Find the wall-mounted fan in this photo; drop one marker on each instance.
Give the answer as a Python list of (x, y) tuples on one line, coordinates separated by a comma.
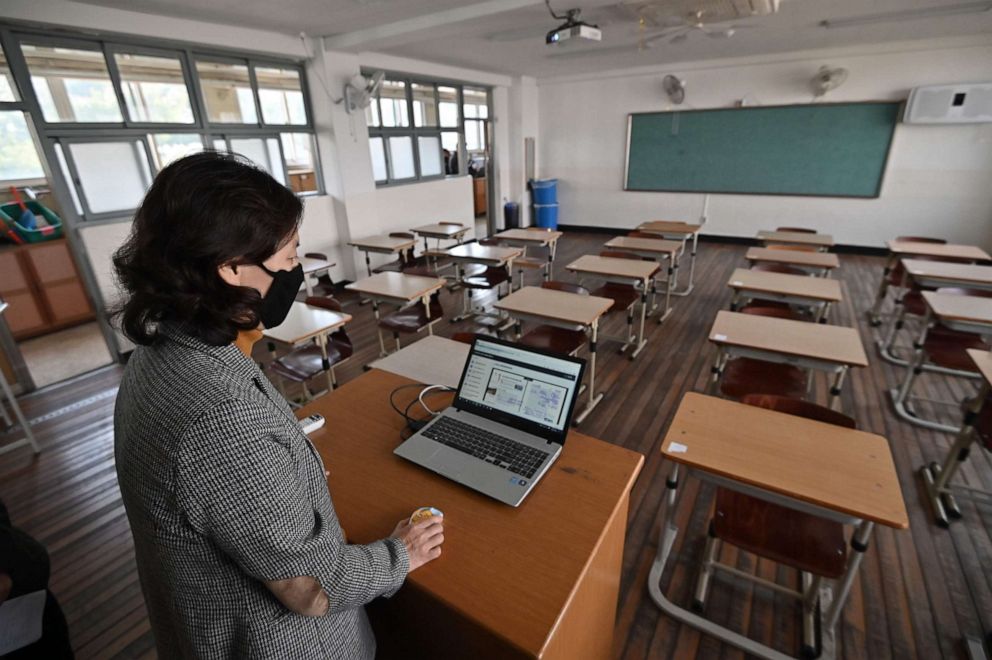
[(826, 79), (675, 88), (359, 91)]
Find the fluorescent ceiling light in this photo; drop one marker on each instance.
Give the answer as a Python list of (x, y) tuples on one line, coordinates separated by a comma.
[(910, 14)]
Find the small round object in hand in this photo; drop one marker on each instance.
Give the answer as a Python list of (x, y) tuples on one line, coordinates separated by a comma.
[(425, 512)]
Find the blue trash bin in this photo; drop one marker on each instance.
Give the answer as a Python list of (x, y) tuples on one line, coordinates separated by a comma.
[(546, 215), (544, 191)]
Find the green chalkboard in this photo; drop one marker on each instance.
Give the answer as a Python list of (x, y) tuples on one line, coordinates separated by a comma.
[(828, 149)]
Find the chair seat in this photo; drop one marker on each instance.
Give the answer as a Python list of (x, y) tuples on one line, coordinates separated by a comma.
[(803, 541), (413, 318), (398, 265), (913, 303), (551, 338), (743, 376), (948, 348), (487, 279), (622, 295), (305, 363), (531, 263), (772, 309)]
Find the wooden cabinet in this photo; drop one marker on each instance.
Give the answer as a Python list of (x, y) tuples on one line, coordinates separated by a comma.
[(42, 286), (302, 181), (479, 194)]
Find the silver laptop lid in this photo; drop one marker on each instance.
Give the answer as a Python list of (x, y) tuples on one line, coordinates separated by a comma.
[(526, 388)]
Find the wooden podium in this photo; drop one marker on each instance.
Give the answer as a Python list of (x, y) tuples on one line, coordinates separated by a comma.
[(537, 581)]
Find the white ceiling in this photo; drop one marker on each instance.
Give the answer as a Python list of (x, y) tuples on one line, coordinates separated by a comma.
[(512, 41)]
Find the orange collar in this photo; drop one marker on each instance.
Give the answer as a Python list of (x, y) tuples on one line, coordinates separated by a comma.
[(246, 340)]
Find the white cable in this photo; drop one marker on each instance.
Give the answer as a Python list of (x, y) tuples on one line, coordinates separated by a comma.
[(420, 397)]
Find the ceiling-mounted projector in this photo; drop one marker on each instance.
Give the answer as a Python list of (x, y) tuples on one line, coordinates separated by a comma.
[(572, 28)]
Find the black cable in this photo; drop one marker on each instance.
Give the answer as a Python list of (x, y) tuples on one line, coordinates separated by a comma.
[(412, 424)]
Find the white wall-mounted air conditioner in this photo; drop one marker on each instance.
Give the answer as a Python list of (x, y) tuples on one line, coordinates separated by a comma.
[(966, 103)]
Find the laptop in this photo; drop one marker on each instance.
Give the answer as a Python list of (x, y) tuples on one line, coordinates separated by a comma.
[(507, 424)]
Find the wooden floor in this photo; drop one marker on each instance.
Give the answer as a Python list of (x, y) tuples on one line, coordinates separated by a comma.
[(919, 591)]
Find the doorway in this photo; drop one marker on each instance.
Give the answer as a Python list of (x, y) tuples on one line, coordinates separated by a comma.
[(479, 152)]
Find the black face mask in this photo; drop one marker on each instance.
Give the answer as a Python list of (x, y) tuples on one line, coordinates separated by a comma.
[(279, 300)]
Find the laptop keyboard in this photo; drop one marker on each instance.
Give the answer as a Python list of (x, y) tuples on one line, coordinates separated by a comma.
[(492, 448)]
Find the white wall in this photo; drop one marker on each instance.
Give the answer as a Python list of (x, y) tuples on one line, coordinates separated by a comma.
[(938, 180)]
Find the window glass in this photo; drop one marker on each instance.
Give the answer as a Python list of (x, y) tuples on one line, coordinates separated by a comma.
[(8, 90), (448, 97), (475, 135), (220, 144), (372, 113), (167, 147), (377, 150), (392, 99), (424, 106), (154, 89), (60, 155), (298, 150), (264, 152), (227, 93), (476, 103), (280, 95), (113, 175), (18, 155), (451, 143), (72, 84), (430, 156), (401, 157)]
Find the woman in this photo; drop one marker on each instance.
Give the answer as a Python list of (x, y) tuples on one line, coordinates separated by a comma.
[(239, 550)]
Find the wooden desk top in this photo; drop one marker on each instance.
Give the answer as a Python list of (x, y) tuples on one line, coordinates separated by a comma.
[(950, 250), (803, 286), (530, 235), (398, 286), (555, 305), (305, 322), (383, 242), (433, 360), (634, 269), (968, 309), (821, 240), (510, 570), (829, 466), (793, 258), (669, 227), (829, 343), (314, 265), (658, 245), (483, 253), (983, 360), (944, 270), (440, 231)]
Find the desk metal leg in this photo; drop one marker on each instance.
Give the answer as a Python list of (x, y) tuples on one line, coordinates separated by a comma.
[(378, 329), (325, 363), (716, 371), (883, 287), (669, 286), (692, 268), (28, 438), (835, 388), (594, 398), (859, 544), (426, 301), (821, 316), (641, 341), (901, 397)]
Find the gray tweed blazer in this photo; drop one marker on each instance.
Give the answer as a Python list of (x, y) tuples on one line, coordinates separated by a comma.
[(223, 490)]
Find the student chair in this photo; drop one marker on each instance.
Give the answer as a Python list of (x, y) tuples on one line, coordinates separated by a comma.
[(477, 277), (303, 364), (326, 287), (794, 248), (812, 545), (413, 318), (566, 341), (624, 297), (742, 376), (465, 337), (531, 262), (407, 258), (772, 309), (796, 230), (892, 277)]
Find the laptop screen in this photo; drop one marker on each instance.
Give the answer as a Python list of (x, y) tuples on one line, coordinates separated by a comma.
[(519, 386)]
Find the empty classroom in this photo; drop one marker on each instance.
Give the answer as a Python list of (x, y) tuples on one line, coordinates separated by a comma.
[(576, 329)]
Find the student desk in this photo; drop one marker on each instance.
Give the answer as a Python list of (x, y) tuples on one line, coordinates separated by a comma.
[(900, 249), (808, 345), (440, 232), (680, 231), (818, 292), (533, 238), (381, 245), (487, 255), (656, 249), (563, 309), (399, 289), (431, 360), (963, 313), (820, 241), (15, 408), (825, 470), (313, 267), (540, 580), (625, 271), (305, 323), (817, 263), (937, 274)]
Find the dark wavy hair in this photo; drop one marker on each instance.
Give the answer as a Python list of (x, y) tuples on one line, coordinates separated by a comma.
[(201, 212)]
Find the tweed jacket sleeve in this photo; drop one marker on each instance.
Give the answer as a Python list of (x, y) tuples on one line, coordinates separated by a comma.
[(255, 491)]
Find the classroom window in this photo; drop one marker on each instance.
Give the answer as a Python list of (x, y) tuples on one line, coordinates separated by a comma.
[(72, 84), (280, 96), (429, 149), (377, 149), (401, 158), (448, 104), (475, 135), (8, 90), (168, 147), (18, 154), (264, 152), (113, 175), (424, 105), (298, 151), (227, 93), (393, 104), (451, 144), (154, 89)]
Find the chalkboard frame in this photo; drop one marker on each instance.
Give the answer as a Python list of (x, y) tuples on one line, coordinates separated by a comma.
[(878, 188)]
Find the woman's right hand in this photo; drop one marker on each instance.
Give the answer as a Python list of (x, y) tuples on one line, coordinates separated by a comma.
[(422, 539)]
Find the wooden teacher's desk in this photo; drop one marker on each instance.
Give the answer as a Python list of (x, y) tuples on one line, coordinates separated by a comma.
[(540, 580)]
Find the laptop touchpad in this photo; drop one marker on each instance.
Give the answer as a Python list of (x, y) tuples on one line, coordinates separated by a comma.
[(450, 462)]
